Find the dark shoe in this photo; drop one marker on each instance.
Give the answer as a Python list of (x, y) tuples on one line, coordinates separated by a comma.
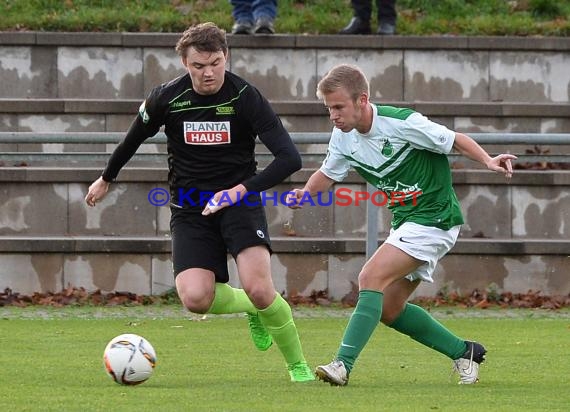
[(264, 25), (242, 27), (386, 29), (356, 26)]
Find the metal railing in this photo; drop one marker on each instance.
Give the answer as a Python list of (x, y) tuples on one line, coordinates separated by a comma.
[(298, 137), (534, 139), (25, 138)]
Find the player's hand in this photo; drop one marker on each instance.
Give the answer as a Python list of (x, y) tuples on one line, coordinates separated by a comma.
[(224, 198), (213, 205), (502, 164), (293, 198), (96, 192)]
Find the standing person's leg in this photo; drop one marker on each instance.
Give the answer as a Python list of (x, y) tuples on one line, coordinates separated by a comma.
[(417, 323), (428, 244), (360, 22), (199, 256), (387, 265), (244, 227), (386, 16), (243, 16), (273, 311), (264, 13), (362, 9)]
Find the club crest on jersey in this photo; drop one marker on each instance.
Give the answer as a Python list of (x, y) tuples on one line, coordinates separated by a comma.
[(207, 133), (387, 149)]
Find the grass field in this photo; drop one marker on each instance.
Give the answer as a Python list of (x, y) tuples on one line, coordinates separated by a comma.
[(417, 17), (51, 361)]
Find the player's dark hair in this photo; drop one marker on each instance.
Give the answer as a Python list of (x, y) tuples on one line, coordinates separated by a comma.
[(346, 76), (204, 37)]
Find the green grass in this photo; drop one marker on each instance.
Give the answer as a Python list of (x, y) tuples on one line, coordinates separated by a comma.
[(418, 17), (51, 361)]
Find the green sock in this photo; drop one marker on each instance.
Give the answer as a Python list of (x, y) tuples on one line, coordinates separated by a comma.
[(362, 323), (278, 320), (230, 300), (419, 325)]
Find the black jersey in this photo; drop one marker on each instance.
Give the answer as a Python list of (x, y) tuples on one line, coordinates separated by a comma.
[(210, 138)]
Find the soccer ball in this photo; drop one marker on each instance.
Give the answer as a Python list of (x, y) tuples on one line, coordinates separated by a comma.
[(129, 359)]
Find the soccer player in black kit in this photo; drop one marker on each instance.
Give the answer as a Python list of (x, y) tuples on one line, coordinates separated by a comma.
[(211, 118)]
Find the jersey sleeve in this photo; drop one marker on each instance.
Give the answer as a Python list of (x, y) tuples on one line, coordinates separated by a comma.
[(271, 132), (146, 124), (422, 133), (335, 165)]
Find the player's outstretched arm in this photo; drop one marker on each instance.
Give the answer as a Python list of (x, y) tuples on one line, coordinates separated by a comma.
[(471, 149), (136, 134)]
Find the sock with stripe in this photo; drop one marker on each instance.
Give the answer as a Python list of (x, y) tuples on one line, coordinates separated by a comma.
[(362, 323)]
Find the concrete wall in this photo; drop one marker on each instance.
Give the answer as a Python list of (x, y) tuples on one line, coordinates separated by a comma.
[(127, 66), (516, 234), (495, 84)]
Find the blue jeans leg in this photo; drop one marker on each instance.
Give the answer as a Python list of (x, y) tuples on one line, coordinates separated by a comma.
[(267, 8), (242, 11)]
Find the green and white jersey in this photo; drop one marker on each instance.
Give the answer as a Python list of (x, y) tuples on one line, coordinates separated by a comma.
[(405, 156)]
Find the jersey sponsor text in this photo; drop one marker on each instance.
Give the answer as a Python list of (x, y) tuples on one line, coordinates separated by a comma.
[(207, 133)]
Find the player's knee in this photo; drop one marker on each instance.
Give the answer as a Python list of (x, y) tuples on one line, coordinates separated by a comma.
[(391, 311), (195, 302), (368, 280), (388, 317), (260, 296)]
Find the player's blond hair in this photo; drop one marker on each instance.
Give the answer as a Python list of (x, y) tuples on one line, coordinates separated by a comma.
[(204, 37), (346, 76)]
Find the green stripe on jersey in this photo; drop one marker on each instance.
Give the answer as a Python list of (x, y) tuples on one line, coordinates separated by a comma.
[(394, 112), (394, 161), (427, 196)]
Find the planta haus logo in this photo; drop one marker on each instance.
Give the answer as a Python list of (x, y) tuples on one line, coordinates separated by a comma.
[(207, 133)]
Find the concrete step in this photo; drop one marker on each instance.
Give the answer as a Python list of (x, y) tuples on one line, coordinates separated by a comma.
[(531, 204), (50, 201), (115, 115), (484, 71), (287, 67), (299, 265), (280, 244)]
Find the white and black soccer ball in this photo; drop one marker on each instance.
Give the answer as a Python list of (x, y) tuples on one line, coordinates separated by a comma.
[(129, 359)]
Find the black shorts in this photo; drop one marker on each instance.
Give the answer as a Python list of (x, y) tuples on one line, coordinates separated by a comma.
[(205, 241)]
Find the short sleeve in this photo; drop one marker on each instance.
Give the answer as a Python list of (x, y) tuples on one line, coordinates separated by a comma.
[(335, 165), (425, 134)]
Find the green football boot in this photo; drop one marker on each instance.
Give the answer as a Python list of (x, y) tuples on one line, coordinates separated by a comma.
[(300, 372), (261, 338)]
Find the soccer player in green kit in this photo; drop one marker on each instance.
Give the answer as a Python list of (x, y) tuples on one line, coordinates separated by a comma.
[(396, 150)]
